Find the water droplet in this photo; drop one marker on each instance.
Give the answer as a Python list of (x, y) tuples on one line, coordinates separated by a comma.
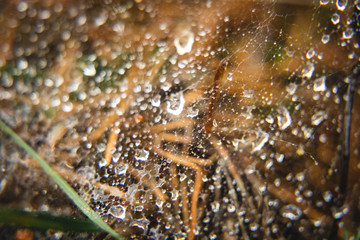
[(300, 176), (319, 84), (341, 4), (335, 18), (118, 212), (348, 33), (22, 64), (215, 206), (184, 42), (175, 104), (44, 14), (22, 6), (261, 142), (140, 223), (269, 164), (141, 154), (54, 102), (269, 119), (325, 38), (81, 20), (102, 163), (318, 117), (122, 169), (89, 70), (277, 182), (284, 118), (327, 195), (166, 86), (308, 70), (254, 226), (67, 107), (357, 4), (262, 188), (324, 2), (192, 112), (291, 212), (231, 208), (101, 19), (310, 54), (323, 138), (279, 157), (156, 100), (337, 213), (291, 88), (182, 64)]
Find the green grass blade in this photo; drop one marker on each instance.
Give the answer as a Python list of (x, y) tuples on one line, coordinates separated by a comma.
[(67, 189), (45, 221)]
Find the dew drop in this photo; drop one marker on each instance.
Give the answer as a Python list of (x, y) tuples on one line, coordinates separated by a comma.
[(67, 107), (308, 70), (310, 54), (291, 212), (175, 104), (22, 64), (44, 14), (254, 227), (215, 206), (348, 33), (101, 19), (231, 208), (118, 212), (269, 119), (327, 195), (341, 4), (300, 176), (89, 70), (192, 112), (337, 214), (319, 84), (261, 142), (122, 169), (335, 18), (322, 138), (141, 154), (279, 157), (357, 4), (291, 88), (102, 163), (155, 101), (140, 223), (184, 42), (325, 38), (22, 6), (284, 118), (318, 117), (81, 20), (324, 2), (269, 164)]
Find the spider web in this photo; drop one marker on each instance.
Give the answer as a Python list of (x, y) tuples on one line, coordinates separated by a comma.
[(123, 90)]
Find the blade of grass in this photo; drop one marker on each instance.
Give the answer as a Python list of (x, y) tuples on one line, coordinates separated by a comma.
[(65, 187), (45, 221)]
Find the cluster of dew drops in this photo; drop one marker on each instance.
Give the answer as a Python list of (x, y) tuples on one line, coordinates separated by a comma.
[(175, 102)]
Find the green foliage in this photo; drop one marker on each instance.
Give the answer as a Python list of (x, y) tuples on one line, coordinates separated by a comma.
[(45, 221)]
